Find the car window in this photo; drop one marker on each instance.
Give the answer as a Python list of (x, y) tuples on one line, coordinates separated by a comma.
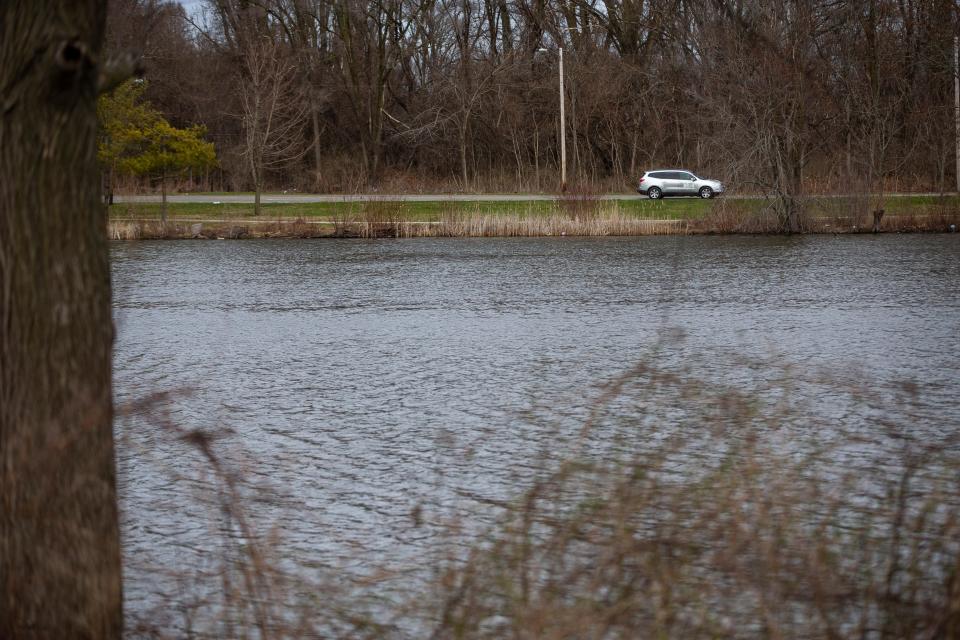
[(688, 176), (660, 174), (677, 175)]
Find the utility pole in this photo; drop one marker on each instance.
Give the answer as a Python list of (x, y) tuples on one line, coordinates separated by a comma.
[(563, 133), (563, 126), (956, 104)]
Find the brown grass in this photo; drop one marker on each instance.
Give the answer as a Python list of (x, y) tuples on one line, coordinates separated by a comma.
[(736, 216), (580, 202), (825, 215), (934, 221), (576, 214), (227, 230), (383, 221), (609, 223), (728, 524)]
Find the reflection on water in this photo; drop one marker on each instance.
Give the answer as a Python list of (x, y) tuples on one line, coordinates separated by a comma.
[(364, 385)]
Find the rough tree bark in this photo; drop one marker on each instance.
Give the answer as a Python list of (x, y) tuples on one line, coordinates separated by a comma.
[(59, 541)]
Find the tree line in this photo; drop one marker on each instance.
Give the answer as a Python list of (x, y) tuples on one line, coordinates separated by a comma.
[(792, 97)]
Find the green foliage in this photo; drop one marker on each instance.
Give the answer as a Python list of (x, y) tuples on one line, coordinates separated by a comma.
[(136, 139)]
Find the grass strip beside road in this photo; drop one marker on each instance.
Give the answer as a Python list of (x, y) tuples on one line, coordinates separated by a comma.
[(407, 211)]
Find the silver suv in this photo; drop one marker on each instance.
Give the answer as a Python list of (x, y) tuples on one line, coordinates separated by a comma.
[(677, 182)]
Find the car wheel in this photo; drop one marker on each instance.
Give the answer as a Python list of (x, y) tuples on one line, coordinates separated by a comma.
[(654, 193), (706, 193)]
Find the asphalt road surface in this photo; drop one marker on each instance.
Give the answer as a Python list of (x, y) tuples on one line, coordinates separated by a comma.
[(303, 198)]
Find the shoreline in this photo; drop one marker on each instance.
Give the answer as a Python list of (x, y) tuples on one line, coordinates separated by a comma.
[(576, 215), (492, 226)]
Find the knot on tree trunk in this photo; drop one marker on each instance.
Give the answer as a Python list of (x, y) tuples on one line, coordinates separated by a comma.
[(72, 56), (73, 61)]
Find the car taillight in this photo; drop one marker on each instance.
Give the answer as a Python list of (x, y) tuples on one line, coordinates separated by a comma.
[(641, 180)]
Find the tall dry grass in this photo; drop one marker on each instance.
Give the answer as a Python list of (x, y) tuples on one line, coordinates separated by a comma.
[(727, 216), (611, 223), (683, 508), (387, 220), (580, 202), (825, 215), (576, 214), (726, 523)]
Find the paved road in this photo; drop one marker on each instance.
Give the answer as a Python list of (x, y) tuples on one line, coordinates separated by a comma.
[(330, 223), (304, 198)]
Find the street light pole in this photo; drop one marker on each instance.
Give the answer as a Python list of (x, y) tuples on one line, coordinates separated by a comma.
[(563, 133), (563, 126)]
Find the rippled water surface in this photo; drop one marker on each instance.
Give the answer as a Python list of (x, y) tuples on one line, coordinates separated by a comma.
[(361, 382)]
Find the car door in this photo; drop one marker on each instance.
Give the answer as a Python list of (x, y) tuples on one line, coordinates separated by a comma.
[(688, 183), (673, 183)]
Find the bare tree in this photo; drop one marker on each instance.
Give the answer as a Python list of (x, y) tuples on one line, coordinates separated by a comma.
[(274, 110), (450, 90)]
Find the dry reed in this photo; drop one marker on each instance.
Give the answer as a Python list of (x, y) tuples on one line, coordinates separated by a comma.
[(825, 215), (551, 225), (737, 216), (688, 509), (732, 519), (385, 225), (576, 215)]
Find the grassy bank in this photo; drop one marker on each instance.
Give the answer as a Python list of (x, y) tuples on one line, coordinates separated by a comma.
[(582, 215), (461, 226), (433, 211)]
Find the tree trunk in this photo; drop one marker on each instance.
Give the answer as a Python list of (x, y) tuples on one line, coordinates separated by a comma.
[(464, 173), (59, 540), (315, 121), (163, 199)]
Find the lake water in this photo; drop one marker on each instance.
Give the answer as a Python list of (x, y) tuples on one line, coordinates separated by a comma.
[(361, 386)]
